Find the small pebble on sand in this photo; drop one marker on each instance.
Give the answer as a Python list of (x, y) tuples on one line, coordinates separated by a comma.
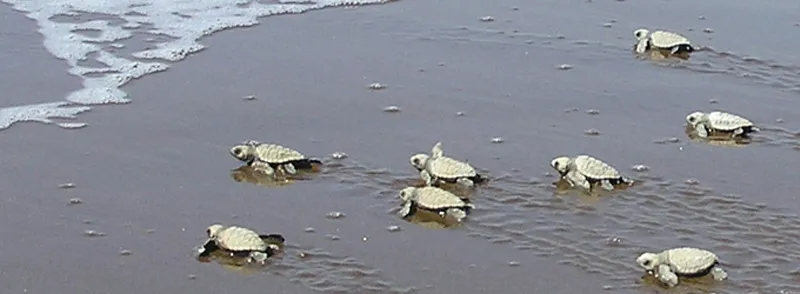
[(393, 228), (332, 237), (708, 30), (391, 109), (335, 215), (192, 277), (593, 112), (249, 98), (93, 233), (487, 18), (309, 230), (592, 132), (607, 25), (459, 113), (779, 120), (376, 86), (339, 155), (67, 185), (692, 181), (513, 263), (497, 140), (125, 252), (565, 66), (713, 101), (73, 201), (640, 168)]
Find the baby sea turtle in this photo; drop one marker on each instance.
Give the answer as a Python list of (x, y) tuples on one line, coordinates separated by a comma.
[(717, 121), (675, 43), (239, 241), (584, 170), (437, 167), (433, 199), (267, 158), (683, 261)]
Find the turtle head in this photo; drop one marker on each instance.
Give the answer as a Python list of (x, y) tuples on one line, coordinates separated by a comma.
[(694, 118), (212, 230), (418, 161), (244, 151), (560, 164), (648, 261), (407, 193), (641, 34)]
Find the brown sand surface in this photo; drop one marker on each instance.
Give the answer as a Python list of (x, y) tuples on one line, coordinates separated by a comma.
[(153, 174)]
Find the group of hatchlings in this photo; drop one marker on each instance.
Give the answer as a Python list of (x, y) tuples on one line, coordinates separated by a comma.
[(582, 171)]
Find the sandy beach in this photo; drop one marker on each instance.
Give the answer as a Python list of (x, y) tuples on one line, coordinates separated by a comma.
[(154, 173)]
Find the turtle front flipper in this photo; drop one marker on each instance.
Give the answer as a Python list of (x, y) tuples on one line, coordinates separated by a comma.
[(465, 182), (209, 247), (289, 168), (262, 167), (701, 130), (606, 184), (457, 213), (405, 210), (666, 276), (576, 179), (427, 177), (718, 273)]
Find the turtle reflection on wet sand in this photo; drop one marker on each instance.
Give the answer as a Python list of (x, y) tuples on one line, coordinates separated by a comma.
[(247, 174)]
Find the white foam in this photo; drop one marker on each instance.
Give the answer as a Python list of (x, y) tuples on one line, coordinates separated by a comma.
[(183, 20)]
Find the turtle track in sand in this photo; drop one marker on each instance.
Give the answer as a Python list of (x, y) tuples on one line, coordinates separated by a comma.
[(323, 271), (757, 244)]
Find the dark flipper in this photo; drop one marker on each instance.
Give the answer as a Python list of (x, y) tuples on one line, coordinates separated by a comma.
[(209, 247), (306, 163), (478, 179), (276, 239)]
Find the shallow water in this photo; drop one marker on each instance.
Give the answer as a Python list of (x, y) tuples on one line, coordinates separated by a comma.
[(161, 162)]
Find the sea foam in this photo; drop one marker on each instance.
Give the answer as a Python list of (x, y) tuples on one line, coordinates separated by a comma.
[(94, 31)]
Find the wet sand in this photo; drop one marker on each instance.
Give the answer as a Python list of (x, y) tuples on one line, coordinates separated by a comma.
[(161, 162)]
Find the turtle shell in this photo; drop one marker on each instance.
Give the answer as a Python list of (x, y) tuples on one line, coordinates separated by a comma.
[(594, 168), (277, 154), (240, 239), (662, 39), (726, 121), (449, 168), (434, 198), (690, 261)]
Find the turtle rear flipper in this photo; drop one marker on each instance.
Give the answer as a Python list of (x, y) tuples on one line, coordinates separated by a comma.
[(259, 256), (478, 179), (718, 273), (272, 238)]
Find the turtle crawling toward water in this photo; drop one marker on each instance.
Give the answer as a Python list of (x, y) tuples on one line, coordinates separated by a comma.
[(584, 170), (242, 242), (437, 167), (720, 122), (669, 264), (268, 158), (672, 43), (435, 200)]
